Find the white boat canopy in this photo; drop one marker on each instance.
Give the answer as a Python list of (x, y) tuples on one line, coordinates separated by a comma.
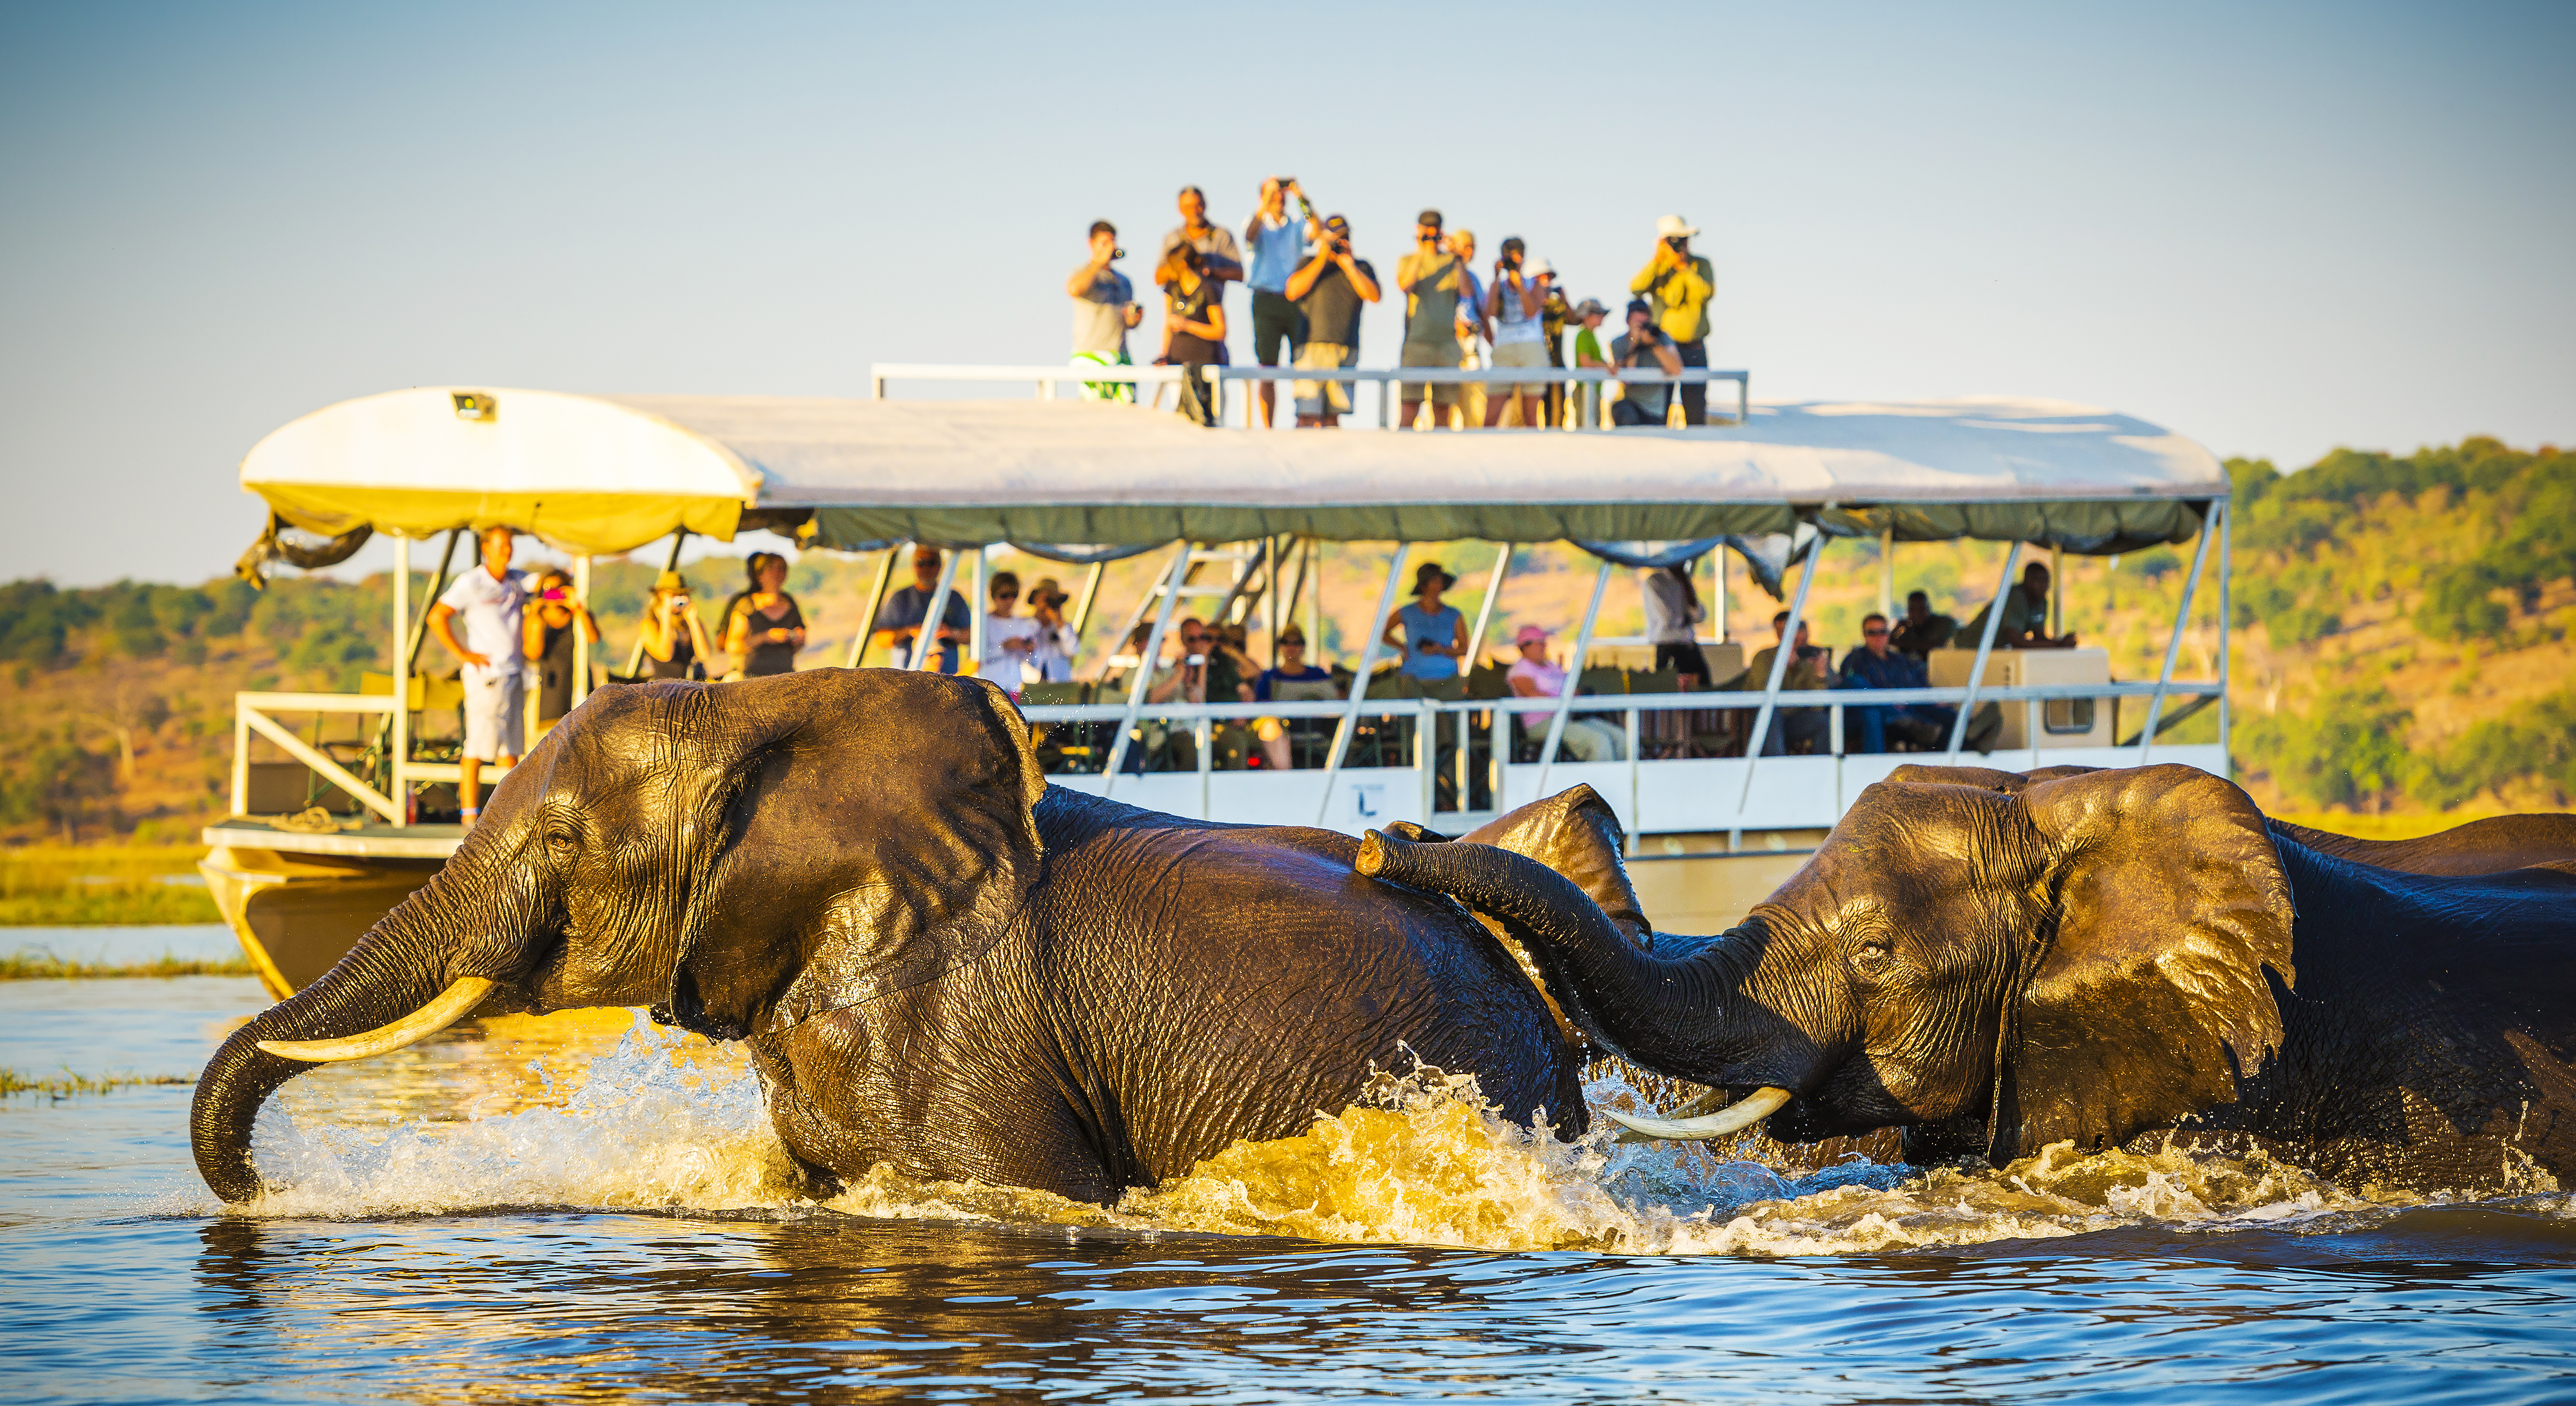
[(610, 473)]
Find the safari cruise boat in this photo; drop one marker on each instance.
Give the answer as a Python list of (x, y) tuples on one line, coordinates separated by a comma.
[(1237, 515)]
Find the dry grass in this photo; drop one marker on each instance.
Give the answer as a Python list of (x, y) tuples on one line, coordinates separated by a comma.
[(102, 886), (67, 1084), (44, 966)]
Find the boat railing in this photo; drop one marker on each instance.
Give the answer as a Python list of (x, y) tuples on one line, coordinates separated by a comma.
[(251, 715), (1387, 378)]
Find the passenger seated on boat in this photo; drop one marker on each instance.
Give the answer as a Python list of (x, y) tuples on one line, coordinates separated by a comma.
[(1916, 726), (2025, 622), (1010, 641), (549, 642), (1290, 679), (675, 641), (1921, 631), (899, 620), (1800, 730), (1164, 744), (1588, 737), (764, 628)]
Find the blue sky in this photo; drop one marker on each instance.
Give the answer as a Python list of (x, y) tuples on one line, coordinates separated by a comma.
[(2277, 229)]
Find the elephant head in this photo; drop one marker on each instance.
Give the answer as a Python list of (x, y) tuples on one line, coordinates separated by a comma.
[(728, 854), (2078, 959)]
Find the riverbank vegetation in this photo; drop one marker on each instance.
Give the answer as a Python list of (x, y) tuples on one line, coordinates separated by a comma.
[(2400, 630), (69, 1085), (102, 885)]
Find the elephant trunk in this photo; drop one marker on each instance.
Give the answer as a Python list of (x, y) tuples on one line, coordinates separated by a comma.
[(393, 978), (1690, 1016)]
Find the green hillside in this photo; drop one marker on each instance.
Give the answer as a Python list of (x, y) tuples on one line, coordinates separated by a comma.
[(2401, 641)]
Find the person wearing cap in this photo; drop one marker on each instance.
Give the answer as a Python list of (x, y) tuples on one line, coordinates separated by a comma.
[(1588, 738), (1677, 285), (1435, 634), (1056, 642), (1430, 278), (1588, 316), (1644, 346), (1330, 288), (675, 640), (1278, 246), (1514, 303)]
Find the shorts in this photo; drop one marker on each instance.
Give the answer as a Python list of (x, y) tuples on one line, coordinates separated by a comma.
[(1318, 356), (1441, 354), (1106, 390), (1275, 320), (496, 713), (1518, 355)]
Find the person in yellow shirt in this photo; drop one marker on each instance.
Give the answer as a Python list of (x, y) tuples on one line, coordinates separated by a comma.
[(1678, 285)]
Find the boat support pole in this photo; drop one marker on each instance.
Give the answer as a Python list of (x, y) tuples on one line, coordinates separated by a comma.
[(1985, 651), (2226, 520), (934, 613), (2173, 646), (1573, 680), (983, 592), (876, 603), (1082, 607), (635, 660), (1360, 680), (1475, 650), (1781, 654), (1143, 678), (396, 737)]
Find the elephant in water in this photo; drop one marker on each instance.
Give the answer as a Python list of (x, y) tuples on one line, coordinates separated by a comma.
[(937, 959), (2086, 959), (2491, 846)]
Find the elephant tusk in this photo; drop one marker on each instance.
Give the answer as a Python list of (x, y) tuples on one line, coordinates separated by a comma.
[(1752, 1109), (450, 1007)]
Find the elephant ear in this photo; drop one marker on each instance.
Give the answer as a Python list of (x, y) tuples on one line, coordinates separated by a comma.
[(2165, 902), (882, 832), (1575, 833)]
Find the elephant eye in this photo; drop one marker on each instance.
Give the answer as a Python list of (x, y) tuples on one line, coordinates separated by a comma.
[(1873, 956), (561, 843)]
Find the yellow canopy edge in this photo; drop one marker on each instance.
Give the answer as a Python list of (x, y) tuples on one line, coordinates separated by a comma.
[(597, 524)]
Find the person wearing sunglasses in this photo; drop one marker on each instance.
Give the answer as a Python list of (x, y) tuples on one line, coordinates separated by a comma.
[(1010, 640), (1878, 665)]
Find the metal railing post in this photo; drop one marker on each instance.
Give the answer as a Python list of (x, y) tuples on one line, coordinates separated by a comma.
[(2226, 522), (398, 732), (1360, 679), (1985, 650), (876, 603), (1485, 612), (1780, 657), (2173, 646), (1146, 656), (934, 612), (1573, 680)]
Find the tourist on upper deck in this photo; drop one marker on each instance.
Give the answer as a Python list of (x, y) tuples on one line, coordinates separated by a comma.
[(1435, 634), (1278, 242), (1877, 665), (1515, 303), (1553, 314), (1290, 679), (1104, 308), (898, 622), (766, 627), (1588, 737), (675, 642), (1643, 346), (1673, 613), (1010, 641), (1193, 328), (1473, 332), (1430, 278), (1792, 729), (1056, 644), (493, 656), (2025, 622), (1680, 284), (1329, 289), (1921, 631), (1588, 316), (548, 640), (1215, 242)]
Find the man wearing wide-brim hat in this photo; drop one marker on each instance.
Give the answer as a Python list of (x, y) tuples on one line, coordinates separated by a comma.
[(1677, 285), (1435, 633)]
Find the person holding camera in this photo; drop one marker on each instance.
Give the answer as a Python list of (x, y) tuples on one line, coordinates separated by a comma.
[(1330, 289), (1645, 346), (1431, 278), (549, 644), (675, 640), (1278, 247), (1516, 303), (1193, 327), (1104, 308), (1678, 285)]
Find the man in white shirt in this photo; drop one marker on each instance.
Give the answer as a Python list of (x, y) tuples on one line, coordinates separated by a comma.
[(492, 598)]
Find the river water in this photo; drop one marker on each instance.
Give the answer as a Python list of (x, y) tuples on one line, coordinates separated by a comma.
[(595, 1209)]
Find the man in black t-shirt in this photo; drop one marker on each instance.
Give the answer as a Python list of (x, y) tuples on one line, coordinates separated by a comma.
[(1330, 288)]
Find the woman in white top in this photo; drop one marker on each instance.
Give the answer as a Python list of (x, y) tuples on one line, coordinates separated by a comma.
[(1010, 641), (1516, 303)]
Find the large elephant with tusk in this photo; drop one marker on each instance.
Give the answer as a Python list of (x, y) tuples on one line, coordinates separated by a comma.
[(2087, 958), (936, 959)]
